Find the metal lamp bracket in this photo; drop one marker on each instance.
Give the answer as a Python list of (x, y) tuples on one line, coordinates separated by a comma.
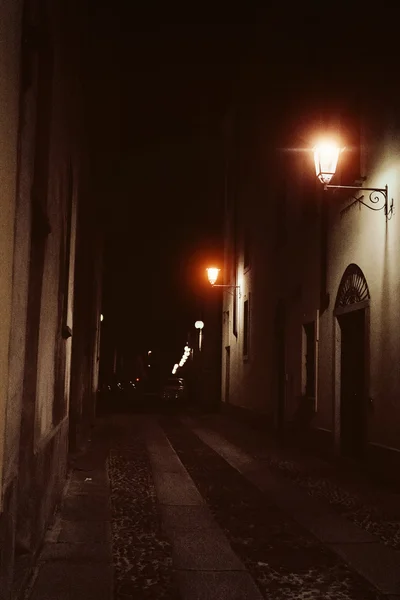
[(377, 199), (237, 287)]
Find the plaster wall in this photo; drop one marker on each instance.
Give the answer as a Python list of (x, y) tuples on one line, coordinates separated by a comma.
[(367, 239), (10, 15)]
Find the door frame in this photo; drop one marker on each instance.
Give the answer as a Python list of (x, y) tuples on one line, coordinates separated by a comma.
[(227, 374), (337, 350)]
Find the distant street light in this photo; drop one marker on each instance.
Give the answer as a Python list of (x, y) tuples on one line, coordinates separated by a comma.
[(101, 317), (199, 325)]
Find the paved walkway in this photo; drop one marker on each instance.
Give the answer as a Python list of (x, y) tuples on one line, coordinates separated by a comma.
[(76, 560), (206, 566), (376, 562)]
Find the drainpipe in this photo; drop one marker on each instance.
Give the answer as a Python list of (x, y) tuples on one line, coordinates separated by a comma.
[(324, 296)]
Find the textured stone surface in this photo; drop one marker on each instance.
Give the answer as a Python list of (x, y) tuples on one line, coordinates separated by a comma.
[(141, 551), (76, 552), (84, 531), (235, 526), (76, 560), (66, 581), (86, 508), (285, 560), (203, 585), (375, 562), (203, 550), (368, 503), (186, 517), (176, 489)]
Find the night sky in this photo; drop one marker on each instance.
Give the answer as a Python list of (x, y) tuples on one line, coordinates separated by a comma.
[(164, 88), (171, 85)]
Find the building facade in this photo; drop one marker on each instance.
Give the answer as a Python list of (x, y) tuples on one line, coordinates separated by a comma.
[(45, 194), (311, 335)]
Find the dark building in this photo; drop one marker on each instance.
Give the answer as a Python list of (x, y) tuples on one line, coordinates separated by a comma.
[(50, 276)]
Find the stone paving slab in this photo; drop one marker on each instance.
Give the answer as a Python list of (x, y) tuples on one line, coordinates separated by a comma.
[(85, 488), (164, 462), (84, 531), (203, 550), (187, 517), (176, 489), (76, 560), (86, 508), (376, 562), (206, 566), (243, 461), (76, 552), (330, 529), (208, 585), (65, 581)]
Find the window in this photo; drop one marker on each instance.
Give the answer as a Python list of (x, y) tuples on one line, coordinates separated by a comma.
[(235, 266), (234, 311), (246, 331), (69, 257), (309, 359)]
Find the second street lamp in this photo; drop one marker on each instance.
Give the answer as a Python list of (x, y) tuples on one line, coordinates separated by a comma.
[(212, 274)]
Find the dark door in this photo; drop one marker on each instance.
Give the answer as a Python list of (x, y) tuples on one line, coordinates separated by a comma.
[(227, 372), (352, 386), (280, 364)]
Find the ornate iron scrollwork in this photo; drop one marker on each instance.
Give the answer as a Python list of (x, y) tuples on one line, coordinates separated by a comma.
[(377, 199), (353, 287)]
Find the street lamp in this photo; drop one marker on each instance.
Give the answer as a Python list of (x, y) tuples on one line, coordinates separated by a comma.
[(326, 157), (199, 325), (212, 274)]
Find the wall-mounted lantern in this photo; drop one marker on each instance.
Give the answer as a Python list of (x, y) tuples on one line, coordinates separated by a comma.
[(326, 157), (212, 274)]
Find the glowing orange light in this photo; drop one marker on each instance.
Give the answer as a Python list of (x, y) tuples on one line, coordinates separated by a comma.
[(212, 274), (326, 156)]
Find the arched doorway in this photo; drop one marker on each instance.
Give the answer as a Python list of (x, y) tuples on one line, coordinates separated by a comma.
[(352, 314)]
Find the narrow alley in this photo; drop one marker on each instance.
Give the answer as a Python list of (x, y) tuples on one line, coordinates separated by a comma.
[(203, 507), (199, 292)]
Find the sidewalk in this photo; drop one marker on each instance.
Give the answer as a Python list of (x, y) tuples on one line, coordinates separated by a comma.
[(374, 560), (76, 559), (204, 563)]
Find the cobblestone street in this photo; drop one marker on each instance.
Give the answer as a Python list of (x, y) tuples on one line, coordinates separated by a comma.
[(186, 523)]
